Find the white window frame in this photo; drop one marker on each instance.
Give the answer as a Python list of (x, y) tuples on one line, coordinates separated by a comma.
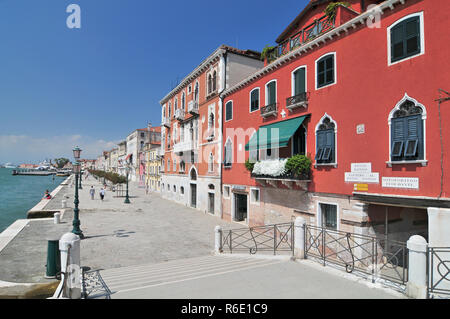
[(293, 79), (266, 98), (335, 141), (335, 70), (422, 37), (320, 216), (250, 100), (232, 109), (424, 118), (252, 199)]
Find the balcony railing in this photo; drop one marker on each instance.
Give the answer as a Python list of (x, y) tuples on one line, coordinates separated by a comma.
[(305, 35), (166, 122), (183, 146), (193, 107), (179, 114), (268, 110), (299, 100)]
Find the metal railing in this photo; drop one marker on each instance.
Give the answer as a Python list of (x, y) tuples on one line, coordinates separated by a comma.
[(270, 109), (317, 28), (379, 258), (438, 271), (297, 100), (193, 107), (268, 238)]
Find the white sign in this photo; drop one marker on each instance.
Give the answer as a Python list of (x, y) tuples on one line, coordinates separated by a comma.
[(400, 182), (362, 177), (361, 167), (360, 129)]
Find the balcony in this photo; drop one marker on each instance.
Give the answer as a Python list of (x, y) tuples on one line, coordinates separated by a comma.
[(180, 114), (166, 122), (269, 110), (183, 147), (288, 180), (193, 107), (296, 101), (315, 29)]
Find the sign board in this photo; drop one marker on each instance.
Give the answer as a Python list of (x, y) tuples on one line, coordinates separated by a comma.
[(361, 187), (362, 177), (360, 129), (400, 182), (361, 167)]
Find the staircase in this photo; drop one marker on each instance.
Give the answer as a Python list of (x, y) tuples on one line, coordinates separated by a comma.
[(115, 283)]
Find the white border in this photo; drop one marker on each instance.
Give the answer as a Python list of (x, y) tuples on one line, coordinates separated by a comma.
[(422, 37), (335, 70), (250, 99), (293, 79), (266, 93), (252, 202), (319, 214), (424, 117)]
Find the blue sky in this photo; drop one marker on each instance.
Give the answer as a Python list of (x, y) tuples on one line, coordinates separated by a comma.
[(91, 87)]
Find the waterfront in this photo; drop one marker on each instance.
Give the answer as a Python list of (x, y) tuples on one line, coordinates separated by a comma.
[(18, 194)]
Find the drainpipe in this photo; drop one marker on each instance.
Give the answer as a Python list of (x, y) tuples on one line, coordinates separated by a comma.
[(224, 82)]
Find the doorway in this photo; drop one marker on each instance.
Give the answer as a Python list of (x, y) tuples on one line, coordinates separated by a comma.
[(211, 203), (194, 195), (240, 201)]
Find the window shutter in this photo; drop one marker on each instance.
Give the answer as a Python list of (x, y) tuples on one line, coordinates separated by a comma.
[(229, 110), (320, 144), (272, 93), (299, 77)]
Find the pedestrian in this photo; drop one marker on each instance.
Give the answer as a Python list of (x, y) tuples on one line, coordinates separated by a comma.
[(92, 192), (102, 194)]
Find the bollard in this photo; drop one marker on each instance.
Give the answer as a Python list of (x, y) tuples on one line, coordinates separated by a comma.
[(218, 239), (299, 238), (416, 287), (56, 218), (69, 245), (63, 203), (53, 259)]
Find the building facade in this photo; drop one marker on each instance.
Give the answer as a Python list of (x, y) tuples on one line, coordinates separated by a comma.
[(192, 121), (356, 94)]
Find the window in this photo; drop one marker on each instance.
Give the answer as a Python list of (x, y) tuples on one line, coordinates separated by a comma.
[(142, 134), (226, 191), (182, 190), (229, 111), (254, 100), (214, 81), (328, 216), (405, 38), (407, 137), (183, 101), (196, 92), (168, 165), (170, 109), (271, 93), (253, 152), (174, 165), (254, 196), (325, 142), (209, 83), (325, 69), (299, 81), (228, 153), (174, 189), (168, 187), (211, 163), (190, 89)]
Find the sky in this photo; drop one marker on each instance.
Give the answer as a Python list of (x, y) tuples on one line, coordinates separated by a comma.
[(92, 86)]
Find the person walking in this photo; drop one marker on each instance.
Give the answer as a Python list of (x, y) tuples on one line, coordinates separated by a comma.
[(92, 192), (102, 194)]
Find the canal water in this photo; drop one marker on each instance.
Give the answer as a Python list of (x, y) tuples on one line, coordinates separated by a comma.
[(18, 194)]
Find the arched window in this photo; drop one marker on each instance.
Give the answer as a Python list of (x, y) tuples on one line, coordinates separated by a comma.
[(168, 165), (183, 101), (326, 141), (209, 84), (406, 37), (228, 153), (196, 92), (174, 165), (170, 109), (175, 107), (254, 100), (211, 163), (193, 174), (214, 81), (407, 131), (229, 111)]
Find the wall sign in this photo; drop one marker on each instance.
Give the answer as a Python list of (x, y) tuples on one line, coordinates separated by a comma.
[(361, 167), (400, 182), (360, 129), (362, 173)]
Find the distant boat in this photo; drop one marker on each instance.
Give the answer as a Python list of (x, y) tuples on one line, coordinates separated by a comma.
[(9, 165)]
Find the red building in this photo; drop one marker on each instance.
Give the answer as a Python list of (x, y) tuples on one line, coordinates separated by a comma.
[(356, 93)]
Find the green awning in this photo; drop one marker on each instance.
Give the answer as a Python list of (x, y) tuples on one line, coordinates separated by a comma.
[(275, 135)]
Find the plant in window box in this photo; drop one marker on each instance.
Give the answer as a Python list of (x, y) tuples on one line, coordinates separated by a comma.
[(266, 52), (270, 168), (249, 165), (299, 166)]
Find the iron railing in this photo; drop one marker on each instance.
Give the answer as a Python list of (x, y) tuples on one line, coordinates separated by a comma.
[(270, 109), (268, 238), (438, 271), (312, 31), (297, 100), (385, 259)]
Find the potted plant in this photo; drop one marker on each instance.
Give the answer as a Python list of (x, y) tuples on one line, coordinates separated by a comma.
[(299, 166)]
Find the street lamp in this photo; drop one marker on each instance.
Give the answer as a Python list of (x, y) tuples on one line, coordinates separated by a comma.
[(76, 221), (127, 198), (77, 155)]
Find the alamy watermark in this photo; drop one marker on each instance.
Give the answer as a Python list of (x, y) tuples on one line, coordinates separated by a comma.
[(73, 21)]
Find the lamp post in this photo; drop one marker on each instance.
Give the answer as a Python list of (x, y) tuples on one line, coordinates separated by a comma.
[(77, 170), (127, 198), (77, 155)]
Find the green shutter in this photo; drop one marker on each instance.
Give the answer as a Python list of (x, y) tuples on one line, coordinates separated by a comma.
[(300, 81), (272, 93)]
